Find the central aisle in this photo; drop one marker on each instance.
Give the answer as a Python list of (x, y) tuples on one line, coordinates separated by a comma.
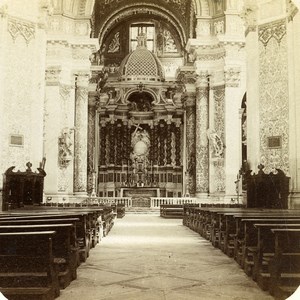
[(145, 257)]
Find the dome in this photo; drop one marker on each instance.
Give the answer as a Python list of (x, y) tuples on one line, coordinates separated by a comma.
[(141, 65)]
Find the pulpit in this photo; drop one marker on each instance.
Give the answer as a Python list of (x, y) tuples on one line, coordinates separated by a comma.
[(22, 188)]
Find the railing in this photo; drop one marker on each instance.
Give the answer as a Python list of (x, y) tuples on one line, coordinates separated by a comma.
[(157, 201), (126, 201)]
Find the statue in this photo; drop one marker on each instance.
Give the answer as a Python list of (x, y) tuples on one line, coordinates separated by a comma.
[(216, 142), (65, 148)]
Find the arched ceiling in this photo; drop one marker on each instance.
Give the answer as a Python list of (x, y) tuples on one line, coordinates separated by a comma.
[(75, 8), (176, 12)]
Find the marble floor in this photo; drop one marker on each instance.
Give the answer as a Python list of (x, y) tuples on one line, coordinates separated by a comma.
[(145, 257)]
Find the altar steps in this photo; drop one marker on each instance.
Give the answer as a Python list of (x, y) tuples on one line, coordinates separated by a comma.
[(142, 210)]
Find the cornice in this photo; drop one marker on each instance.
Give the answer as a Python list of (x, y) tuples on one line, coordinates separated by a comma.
[(276, 30), (17, 27)]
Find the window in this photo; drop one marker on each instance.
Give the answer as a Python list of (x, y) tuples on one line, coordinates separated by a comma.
[(142, 28)]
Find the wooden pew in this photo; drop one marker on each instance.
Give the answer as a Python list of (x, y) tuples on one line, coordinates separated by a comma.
[(173, 211), (232, 219), (284, 267), (64, 247), (247, 239), (83, 227), (27, 271)]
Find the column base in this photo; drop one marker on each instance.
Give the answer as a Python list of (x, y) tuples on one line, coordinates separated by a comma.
[(294, 200)]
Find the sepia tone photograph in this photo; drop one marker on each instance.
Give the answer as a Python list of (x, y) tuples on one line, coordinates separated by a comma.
[(150, 149)]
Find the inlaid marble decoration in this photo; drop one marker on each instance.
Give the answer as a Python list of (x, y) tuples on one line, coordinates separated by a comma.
[(81, 119), (219, 123), (190, 148), (202, 160), (64, 171), (274, 95), (91, 146)]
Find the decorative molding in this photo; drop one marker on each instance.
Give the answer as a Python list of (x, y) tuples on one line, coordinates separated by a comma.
[(65, 143), (114, 45), (187, 76), (202, 80), (291, 10), (63, 182), (219, 27), (203, 27), (82, 79), (82, 8), (232, 77), (249, 16), (18, 27), (276, 30), (274, 98), (52, 75)]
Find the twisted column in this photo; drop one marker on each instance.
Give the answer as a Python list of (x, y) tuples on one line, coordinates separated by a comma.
[(103, 144), (169, 144), (112, 143), (162, 144), (177, 144), (81, 133)]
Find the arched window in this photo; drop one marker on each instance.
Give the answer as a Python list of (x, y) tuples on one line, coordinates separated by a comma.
[(137, 29)]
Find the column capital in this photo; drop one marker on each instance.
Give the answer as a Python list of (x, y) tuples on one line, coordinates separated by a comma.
[(52, 75), (82, 78), (202, 79), (232, 76)]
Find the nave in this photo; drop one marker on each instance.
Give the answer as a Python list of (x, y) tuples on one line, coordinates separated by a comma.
[(146, 257)]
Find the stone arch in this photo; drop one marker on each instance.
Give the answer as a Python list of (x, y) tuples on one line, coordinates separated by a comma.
[(83, 7), (74, 7), (202, 8), (146, 90), (130, 9)]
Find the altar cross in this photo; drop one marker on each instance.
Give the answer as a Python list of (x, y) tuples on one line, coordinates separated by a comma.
[(137, 127)]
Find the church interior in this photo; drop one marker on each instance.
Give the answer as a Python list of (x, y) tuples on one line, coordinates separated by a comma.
[(149, 114)]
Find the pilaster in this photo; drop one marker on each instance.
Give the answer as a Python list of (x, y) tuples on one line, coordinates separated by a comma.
[(81, 133), (202, 119)]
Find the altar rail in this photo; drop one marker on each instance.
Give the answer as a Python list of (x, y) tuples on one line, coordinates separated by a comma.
[(155, 202), (124, 201)]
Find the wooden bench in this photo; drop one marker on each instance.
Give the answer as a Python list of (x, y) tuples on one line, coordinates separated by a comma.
[(84, 229), (173, 211), (27, 271), (284, 267), (65, 251), (247, 239)]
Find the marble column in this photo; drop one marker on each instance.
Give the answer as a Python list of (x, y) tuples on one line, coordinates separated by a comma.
[(91, 147), (202, 161), (81, 133), (190, 157)]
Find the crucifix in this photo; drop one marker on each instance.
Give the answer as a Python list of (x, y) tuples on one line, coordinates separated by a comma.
[(137, 127)]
